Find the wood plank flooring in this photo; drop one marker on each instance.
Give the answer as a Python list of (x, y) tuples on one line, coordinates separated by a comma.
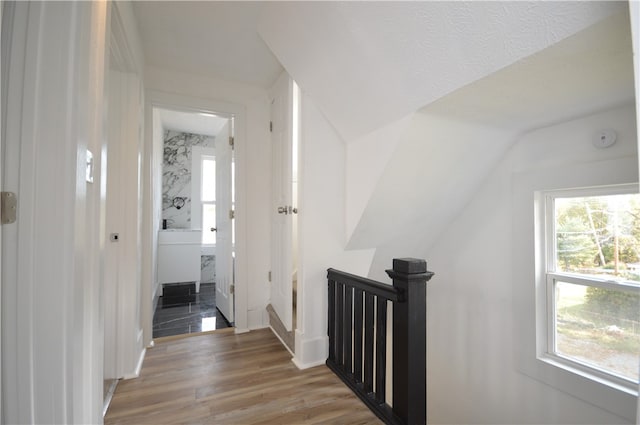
[(224, 378)]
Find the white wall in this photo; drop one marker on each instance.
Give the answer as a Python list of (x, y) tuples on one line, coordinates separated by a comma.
[(437, 165), (366, 160), (153, 148), (127, 262), (322, 224), (52, 311), (473, 372), (253, 189), (123, 299)]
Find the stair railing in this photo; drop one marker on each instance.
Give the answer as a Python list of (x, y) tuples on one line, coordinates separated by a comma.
[(358, 338)]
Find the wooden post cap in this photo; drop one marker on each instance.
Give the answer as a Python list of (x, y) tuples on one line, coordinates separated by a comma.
[(409, 265)]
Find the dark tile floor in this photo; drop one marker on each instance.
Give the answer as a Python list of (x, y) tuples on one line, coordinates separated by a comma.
[(180, 310)]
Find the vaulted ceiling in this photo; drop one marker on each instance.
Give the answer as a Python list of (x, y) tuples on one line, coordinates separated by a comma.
[(366, 64), (435, 88)]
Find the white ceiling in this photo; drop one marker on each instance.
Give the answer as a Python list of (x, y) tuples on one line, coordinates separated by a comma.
[(450, 146), (369, 63), (191, 122), (212, 38), (587, 72)]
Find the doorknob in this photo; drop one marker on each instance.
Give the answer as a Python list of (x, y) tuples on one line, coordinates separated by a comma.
[(213, 229), (283, 210), (292, 210)]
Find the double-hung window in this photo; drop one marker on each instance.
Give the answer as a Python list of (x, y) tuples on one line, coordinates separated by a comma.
[(592, 282), (208, 198)]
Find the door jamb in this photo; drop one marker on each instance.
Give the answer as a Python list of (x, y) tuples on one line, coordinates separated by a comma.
[(159, 99)]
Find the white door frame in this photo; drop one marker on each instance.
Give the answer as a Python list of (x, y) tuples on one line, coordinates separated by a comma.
[(2, 112), (182, 103), (281, 223), (122, 291)]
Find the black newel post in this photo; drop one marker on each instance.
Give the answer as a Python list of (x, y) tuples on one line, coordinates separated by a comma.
[(410, 277)]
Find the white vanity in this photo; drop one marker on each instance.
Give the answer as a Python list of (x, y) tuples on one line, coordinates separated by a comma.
[(179, 256)]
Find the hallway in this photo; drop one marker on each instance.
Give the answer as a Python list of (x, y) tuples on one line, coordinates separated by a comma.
[(224, 378)]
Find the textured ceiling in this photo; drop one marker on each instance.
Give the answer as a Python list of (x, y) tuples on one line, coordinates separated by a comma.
[(207, 38), (589, 71), (370, 63), (450, 145), (366, 64)]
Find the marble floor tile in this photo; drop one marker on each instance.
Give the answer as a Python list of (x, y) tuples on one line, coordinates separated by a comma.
[(180, 310)]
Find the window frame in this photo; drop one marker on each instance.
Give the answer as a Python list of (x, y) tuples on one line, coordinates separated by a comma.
[(197, 155), (527, 309), (548, 276), (205, 157)]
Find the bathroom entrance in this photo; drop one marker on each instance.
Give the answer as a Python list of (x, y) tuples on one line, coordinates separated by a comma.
[(196, 237)]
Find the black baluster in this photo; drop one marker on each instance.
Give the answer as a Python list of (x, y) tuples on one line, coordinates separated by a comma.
[(357, 336), (381, 349)]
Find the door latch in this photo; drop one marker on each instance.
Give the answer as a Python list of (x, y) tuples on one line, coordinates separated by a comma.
[(8, 207)]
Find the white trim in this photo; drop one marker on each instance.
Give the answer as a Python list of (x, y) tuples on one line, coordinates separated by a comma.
[(548, 277), (258, 319), (51, 333), (198, 154), (138, 368), (303, 366), (159, 99), (310, 352), (528, 305)]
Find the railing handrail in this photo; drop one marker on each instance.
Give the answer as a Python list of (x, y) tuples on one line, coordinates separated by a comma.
[(357, 331), (371, 286)]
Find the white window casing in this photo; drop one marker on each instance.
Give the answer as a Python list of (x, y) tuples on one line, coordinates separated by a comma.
[(546, 233), (533, 293)]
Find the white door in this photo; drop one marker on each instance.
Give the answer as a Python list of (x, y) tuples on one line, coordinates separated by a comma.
[(224, 225), (282, 208)]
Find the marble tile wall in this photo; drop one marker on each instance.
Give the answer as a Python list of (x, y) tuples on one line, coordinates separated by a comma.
[(176, 176), (208, 263)]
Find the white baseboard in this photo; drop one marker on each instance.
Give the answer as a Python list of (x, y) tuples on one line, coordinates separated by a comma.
[(310, 352), (136, 372), (303, 366), (258, 319)]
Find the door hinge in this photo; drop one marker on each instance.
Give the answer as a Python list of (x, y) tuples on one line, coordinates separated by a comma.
[(8, 207), (271, 126), (232, 214), (232, 289), (232, 142), (269, 276)]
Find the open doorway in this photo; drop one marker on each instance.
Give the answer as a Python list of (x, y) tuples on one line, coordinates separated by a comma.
[(195, 261)]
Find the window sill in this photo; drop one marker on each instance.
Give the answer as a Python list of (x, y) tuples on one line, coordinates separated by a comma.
[(586, 372), (617, 400)]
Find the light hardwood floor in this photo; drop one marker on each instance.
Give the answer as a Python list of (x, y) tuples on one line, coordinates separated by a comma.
[(223, 378)]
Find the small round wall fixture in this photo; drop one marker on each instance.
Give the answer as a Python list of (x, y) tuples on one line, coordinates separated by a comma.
[(178, 202), (604, 138)]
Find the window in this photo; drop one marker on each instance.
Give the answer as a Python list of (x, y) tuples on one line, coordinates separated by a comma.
[(592, 281), (208, 198)]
